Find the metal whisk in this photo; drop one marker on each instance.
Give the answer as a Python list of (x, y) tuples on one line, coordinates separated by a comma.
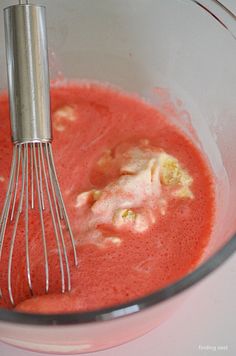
[(33, 181)]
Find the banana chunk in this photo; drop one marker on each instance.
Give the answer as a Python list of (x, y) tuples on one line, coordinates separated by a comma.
[(60, 116), (143, 183), (124, 217), (87, 198), (127, 217), (184, 192), (172, 173), (66, 112)]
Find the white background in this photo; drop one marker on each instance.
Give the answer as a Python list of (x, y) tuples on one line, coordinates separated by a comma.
[(206, 319)]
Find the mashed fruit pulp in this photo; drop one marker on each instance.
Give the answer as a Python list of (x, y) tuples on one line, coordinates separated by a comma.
[(139, 194)]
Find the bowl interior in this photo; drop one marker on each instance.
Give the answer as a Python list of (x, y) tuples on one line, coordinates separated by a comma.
[(140, 46)]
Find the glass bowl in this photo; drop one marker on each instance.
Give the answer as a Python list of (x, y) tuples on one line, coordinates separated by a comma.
[(187, 48)]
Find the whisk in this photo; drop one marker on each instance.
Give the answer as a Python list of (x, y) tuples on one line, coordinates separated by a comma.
[(33, 181)]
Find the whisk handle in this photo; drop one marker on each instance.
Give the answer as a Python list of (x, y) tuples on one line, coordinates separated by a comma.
[(28, 73)]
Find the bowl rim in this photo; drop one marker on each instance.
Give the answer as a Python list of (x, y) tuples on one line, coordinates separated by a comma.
[(121, 310), (136, 305)]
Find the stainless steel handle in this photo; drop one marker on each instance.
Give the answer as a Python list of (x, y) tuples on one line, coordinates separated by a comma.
[(28, 75)]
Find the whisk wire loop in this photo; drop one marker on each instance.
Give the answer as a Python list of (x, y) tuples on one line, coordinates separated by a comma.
[(33, 166)]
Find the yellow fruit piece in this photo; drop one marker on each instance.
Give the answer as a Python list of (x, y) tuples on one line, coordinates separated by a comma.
[(87, 198), (172, 173), (123, 216), (128, 214), (96, 194), (184, 192)]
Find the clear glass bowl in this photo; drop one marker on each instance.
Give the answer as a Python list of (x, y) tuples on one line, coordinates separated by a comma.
[(187, 47)]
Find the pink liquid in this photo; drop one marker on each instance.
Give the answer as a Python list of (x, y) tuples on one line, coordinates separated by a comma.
[(144, 261)]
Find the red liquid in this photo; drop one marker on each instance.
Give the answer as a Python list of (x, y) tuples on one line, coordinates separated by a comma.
[(144, 262)]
